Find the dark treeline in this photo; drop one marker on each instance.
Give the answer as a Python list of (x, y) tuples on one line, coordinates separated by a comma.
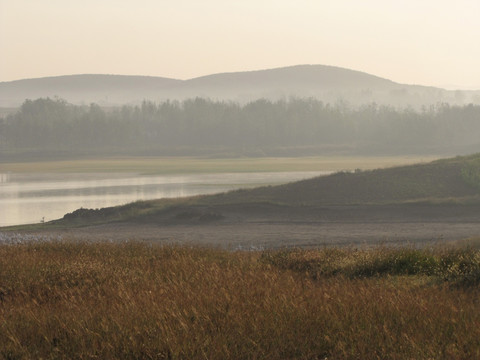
[(199, 126)]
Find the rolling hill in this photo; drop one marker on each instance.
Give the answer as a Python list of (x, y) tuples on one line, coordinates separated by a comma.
[(439, 181), (328, 83)]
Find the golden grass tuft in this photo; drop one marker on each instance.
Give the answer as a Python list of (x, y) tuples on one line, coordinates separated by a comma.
[(134, 300)]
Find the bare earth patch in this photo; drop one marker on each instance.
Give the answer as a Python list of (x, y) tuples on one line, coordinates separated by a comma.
[(259, 226)]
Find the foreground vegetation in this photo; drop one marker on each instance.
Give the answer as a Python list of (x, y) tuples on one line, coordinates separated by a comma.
[(134, 300)]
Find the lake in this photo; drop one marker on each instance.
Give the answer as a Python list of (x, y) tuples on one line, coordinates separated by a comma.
[(34, 197)]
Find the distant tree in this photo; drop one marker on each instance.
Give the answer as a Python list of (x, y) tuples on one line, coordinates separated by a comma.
[(199, 125)]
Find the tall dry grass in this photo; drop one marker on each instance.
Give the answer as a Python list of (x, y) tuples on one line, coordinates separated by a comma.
[(123, 301)]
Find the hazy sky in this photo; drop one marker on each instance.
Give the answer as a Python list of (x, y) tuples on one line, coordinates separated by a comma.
[(428, 42)]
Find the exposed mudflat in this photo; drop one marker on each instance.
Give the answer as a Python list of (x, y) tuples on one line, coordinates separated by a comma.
[(270, 226)]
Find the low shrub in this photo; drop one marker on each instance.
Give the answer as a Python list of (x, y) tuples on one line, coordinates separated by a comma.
[(452, 265)]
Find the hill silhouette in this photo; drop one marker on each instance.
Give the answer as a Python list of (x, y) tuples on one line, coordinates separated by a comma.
[(328, 83)]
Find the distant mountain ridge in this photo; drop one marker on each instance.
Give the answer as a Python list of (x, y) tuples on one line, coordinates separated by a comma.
[(327, 83), (83, 88), (318, 75)]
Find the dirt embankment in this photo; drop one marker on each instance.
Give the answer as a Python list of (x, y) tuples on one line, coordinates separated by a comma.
[(272, 226)]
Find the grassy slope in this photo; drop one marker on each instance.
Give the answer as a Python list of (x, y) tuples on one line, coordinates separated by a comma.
[(436, 181)]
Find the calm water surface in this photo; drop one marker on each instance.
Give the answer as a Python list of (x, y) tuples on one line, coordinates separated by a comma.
[(31, 198)]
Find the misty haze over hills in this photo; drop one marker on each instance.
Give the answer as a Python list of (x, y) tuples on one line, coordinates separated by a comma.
[(327, 83)]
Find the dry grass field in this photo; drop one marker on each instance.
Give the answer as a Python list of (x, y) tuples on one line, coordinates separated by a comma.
[(91, 300)]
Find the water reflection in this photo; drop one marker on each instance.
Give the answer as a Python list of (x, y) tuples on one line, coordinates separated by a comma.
[(4, 178), (27, 198)]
